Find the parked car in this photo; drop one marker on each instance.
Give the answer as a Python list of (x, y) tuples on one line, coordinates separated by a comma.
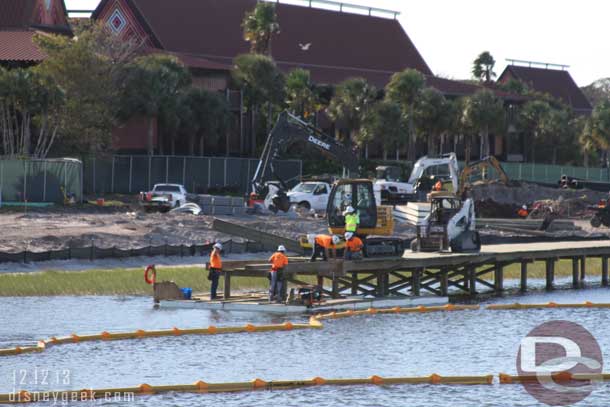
[(163, 197), (310, 195)]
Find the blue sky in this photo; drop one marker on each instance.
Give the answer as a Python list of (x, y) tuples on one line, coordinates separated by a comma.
[(450, 33)]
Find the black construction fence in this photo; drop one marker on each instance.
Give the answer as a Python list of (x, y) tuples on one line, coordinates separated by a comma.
[(40, 180), (129, 174), (97, 253)]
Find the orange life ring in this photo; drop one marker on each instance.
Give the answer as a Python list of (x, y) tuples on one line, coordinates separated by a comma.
[(147, 274)]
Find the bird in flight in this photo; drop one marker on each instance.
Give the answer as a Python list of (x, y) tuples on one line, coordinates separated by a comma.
[(305, 47)]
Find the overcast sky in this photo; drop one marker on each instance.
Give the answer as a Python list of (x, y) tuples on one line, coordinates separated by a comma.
[(450, 33)]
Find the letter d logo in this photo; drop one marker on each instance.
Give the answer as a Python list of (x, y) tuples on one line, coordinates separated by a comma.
[(555, 347)]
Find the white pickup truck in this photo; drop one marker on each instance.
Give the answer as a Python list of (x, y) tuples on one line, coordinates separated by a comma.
[(163, 197), (310, 195)]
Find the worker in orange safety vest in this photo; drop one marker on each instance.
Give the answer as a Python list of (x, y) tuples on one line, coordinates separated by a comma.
[(276, 275), (215, 268)]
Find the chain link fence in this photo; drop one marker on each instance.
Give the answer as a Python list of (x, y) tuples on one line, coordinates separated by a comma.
[(129, 174)]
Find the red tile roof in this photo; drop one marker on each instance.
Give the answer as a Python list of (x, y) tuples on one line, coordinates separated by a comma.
[(16, 13), (556, 83), (18, 46), (341, 44)]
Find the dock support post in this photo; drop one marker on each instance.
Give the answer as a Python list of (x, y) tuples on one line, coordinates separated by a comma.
[(444, 282), (604, 271), (472, 277), (383, 279), (335, 287), (523, 276), (499, 278), (583, 267), (575, 272), (550, 273), (416, 282), (354, 283), (227, 285)]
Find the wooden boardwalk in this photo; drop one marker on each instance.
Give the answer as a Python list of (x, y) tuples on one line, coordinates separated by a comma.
[(436, 273)]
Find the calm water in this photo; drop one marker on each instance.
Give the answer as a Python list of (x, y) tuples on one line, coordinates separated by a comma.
[(461, 343)]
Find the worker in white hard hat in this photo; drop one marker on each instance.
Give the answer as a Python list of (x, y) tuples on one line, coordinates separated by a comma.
[(352, 219), (214, 269), (353, 247), (276, 275), (323, 246), (523, 212)]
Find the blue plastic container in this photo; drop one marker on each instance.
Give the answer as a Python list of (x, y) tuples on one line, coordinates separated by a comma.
[(187, 293)]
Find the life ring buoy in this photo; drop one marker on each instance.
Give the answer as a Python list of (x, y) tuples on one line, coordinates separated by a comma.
[(149, 277)]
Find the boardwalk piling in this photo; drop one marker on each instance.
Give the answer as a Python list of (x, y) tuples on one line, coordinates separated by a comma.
[(604, 271), (523, 275)]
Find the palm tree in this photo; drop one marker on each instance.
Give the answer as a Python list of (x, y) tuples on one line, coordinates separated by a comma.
[(352, 100), (404, 88), (385, 123), (151, 83), (483, 67), (301, 97), (484, 112), (259, 25), (204, 116), (262, 83), (599, 127), (533, 118), (432, 117)]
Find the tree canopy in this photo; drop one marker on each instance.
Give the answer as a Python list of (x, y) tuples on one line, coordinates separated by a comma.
[(259, 25), (483, 67)]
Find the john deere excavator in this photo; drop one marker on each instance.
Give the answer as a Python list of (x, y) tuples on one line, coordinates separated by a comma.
[(288, 130)]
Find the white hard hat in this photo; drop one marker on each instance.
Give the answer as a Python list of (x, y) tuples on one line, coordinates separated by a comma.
[(524, 207), (218, 246), (348, 235), (350, 209), (281, 248), (336, 239)]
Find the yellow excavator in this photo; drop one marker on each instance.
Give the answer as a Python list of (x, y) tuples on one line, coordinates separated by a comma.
[(482, 169)]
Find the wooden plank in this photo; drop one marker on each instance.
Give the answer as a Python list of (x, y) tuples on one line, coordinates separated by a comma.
[(269, 241)]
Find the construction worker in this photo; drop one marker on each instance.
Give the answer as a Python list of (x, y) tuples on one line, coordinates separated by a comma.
[(352, 219), (322, 245), (215, 268), (276, 277), (523, 212), (353, 247)]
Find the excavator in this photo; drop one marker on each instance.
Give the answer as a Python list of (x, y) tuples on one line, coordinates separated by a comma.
[(288, 130), (375, 219), (482, 169)]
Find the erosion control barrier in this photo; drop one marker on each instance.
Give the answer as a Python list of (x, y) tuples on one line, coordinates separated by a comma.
[(518, 306), (253, 385), (395, 310), (557, 377), (141, 334), (314, 323)]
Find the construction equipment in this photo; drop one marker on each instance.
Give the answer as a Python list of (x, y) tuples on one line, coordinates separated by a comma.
[(375, 219), (602, 214), (288, 130), (450, 224), (481, 168), (426, 172)]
